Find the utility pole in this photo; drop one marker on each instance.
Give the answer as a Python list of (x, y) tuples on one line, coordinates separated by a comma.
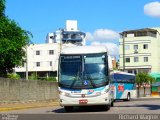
[(59, 48), (61, 36), (26, 62), (123, 38)]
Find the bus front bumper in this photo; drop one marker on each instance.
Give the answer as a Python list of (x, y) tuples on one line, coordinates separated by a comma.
[(85, 101)]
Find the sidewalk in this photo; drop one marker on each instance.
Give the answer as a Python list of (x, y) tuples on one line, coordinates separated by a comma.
[(148, 97), (25, 105)]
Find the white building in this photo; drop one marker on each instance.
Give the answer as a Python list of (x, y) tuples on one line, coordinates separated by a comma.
[(139, 50), (42, 59), (70, 34)]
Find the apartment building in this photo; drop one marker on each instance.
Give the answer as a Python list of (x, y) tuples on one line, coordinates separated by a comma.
[(140, 50), (42, 59), (71, 34)]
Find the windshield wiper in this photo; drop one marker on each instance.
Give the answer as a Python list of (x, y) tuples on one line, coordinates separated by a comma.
[(91, 80), (74, 81)]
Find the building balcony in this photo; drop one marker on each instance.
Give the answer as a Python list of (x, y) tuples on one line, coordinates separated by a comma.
[(78, 39), (72, 36)]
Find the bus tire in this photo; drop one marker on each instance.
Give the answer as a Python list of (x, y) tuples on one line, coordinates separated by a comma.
[(107, 107), (112, 103), (128, 97), (68, 108)]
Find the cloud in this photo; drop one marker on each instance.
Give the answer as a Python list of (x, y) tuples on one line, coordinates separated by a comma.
[(113, 49), (102, 35), (89, 36), (152, 9)]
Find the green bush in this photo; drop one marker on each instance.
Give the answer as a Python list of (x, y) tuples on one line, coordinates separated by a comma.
[(51, 79), (33, 77), (13, 76)]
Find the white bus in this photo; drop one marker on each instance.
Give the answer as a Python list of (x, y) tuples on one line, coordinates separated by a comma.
[(83, 77)]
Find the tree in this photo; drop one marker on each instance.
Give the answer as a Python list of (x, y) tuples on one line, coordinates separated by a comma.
[(12, 41), (2, 7), (142, 79)]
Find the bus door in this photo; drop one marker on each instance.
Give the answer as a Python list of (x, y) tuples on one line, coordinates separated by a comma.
[(119, 89)]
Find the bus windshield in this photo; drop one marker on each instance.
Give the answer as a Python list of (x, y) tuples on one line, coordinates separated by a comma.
[(123, 78), (83, 71)]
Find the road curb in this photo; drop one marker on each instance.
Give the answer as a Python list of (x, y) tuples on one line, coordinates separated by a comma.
[(145, 99), (27, 107)]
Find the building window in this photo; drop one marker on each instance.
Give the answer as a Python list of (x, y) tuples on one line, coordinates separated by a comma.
[(37, 52), (51, 37), (51, 52), (135, 59), (127, 47), (135, 47), (38, 64), (145, 59), (129, 71), (135, 71), (127, 59), (50, 63), (145, 46)]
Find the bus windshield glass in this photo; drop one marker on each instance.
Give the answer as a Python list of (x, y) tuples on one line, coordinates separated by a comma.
[(83, 71)]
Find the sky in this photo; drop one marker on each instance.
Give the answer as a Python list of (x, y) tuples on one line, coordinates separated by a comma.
[(101, 20)]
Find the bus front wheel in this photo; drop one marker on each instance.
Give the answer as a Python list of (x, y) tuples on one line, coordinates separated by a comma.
[(107, 107), (68, 108)]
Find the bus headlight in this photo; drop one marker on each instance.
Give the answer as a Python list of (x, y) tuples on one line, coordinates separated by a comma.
[(63, 93), (107, 90), (66, 94)]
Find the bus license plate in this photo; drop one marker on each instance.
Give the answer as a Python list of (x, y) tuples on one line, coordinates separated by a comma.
[(83, 101)]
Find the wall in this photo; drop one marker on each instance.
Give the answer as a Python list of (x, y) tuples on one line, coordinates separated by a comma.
[(147, 91), (22, 90), (16, 90)]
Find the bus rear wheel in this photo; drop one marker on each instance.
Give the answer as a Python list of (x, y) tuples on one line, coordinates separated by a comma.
[(112, 103), (128, 97), (68, 108)]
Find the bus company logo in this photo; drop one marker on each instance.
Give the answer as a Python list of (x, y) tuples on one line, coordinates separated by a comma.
[(120, 88), (75, 92), (91, 91), (83, 95)]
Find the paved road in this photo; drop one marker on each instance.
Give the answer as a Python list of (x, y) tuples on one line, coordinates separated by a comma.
[(132, 107)]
